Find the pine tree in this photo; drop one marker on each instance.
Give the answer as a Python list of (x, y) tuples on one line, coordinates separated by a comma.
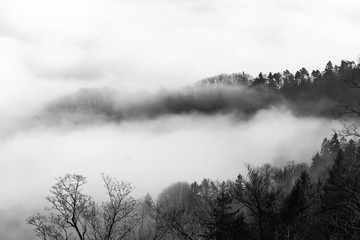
[(278, 80), (340, 203), (321, 166), (316, 76), (350, 152), (271, 83), (334, 144), (325, 149), (302, 77), (329, 69), (345, 67), (219, 219), (259, 80), (294, 211), (358, 151), (317, 165)]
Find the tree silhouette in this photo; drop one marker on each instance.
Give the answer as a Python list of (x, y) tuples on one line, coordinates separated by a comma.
[(259, 196), (75, 215)]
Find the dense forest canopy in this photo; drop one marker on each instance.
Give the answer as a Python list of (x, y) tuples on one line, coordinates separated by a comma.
[(316, 93)]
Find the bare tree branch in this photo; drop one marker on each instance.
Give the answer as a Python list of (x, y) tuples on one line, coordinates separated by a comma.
[(74, 215)]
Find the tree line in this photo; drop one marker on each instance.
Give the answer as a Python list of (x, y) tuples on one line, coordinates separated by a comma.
[(297, 201), (317, 93)]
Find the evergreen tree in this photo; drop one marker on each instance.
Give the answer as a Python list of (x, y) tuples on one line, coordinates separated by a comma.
[(340, 203), (289, 80), (358, 151), (285, 177), (329, 69), (316, 76), (325, 148), (350, 152), (322, 164), (271, 83), (260, 80), (278, 80), (302, 77), (220, 220), (334, 144), (294, 211), (345, 67), (317, 164)]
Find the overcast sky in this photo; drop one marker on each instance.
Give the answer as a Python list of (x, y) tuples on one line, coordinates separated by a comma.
[(51, 48)]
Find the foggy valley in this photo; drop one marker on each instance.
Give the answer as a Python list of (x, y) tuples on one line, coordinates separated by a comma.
[(179, 120)]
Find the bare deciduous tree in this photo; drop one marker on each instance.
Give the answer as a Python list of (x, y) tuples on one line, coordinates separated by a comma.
[(172, 215), (173, 221), (75, 215), (259, 196)]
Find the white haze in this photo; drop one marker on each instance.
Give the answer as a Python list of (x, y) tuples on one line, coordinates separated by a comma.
[(51, 48), (153, 154)]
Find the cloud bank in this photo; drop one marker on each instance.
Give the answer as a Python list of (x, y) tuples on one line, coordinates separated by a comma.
[(89, 106), (51, 49)]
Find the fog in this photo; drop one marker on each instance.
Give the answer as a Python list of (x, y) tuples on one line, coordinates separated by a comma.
[(105, 86), (159, 152), (150, 154)]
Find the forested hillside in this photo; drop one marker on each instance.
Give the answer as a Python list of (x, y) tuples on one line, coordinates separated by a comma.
[(296, 201), (316, 93), (320, 200), (319, 94)]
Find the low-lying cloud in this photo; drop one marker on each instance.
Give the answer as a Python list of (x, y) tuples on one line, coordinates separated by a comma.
[(89, 106), (151, 140), (104, 105)]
